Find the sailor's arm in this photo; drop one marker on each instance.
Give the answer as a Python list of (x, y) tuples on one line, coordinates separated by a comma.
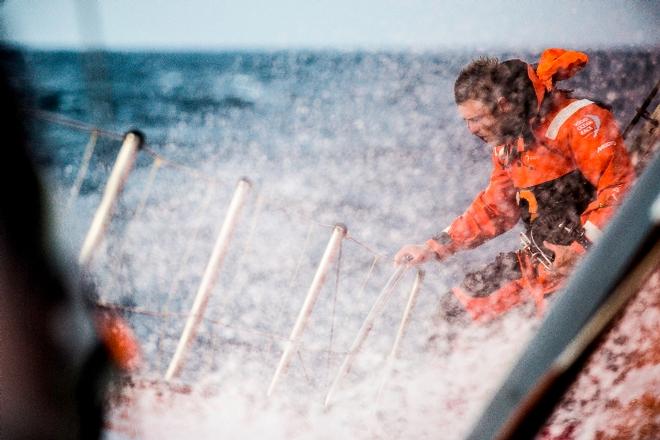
[(437, 248), (491, 213)]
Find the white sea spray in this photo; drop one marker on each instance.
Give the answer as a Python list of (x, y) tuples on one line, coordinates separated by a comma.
[(369, 140)]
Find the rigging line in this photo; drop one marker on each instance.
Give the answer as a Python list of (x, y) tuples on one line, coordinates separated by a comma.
[(303, 250), (79, 125), (143, 202), (300, 216), (368, 277), (214, 344), (120, 248), (334, 306), (82, 171), (271, 336), (190, 244), (311, 219), (365, 246), (150, 181), (169, 315), (307, 217), (138, 212), (72, 123), (304, 216), (194, 172), (183, 264), (190, 170), (280, 312), (246, 247), (148, 148), (302, 364), (123, 266)]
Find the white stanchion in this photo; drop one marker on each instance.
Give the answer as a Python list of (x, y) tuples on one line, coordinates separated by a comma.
[(312, 294), (123, 165), (209, 278)]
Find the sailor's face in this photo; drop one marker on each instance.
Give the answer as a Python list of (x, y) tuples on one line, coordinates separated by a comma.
[(480, 121)]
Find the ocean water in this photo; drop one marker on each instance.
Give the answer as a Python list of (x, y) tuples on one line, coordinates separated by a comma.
[(370, 140)]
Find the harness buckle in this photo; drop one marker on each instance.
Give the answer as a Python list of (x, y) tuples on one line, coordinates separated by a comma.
[(535, 252)]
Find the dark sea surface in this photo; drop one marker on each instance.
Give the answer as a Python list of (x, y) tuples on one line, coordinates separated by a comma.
[(371, 140)]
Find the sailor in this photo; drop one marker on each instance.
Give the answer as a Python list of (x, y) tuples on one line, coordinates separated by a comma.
[(559, 164)]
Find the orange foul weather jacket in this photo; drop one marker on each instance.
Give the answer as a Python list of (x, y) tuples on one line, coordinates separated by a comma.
[(577, 158)]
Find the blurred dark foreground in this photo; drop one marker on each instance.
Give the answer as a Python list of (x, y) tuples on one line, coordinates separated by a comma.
[(53, 368)]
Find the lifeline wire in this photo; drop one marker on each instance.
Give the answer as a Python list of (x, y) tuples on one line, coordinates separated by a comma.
[(161, 161)]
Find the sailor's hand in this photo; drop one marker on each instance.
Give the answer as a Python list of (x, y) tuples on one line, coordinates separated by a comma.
[(565, 256), (414, 254)]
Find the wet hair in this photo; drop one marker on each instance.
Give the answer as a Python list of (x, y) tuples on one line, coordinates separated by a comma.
[(477, 81), (488, 79), (517, 88)]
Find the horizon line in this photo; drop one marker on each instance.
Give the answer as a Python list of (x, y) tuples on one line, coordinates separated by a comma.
[(313, 48)]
